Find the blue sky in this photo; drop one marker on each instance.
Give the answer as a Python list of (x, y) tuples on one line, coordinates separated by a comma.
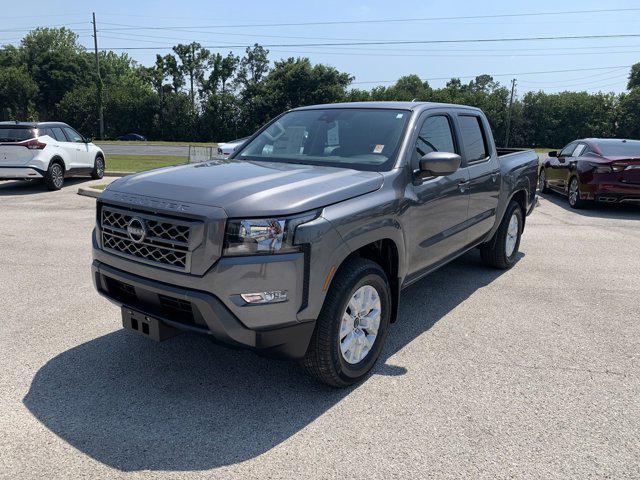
[(124, 24)]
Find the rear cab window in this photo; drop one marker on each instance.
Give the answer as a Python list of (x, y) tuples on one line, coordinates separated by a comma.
[(474, 139), (13, 133)]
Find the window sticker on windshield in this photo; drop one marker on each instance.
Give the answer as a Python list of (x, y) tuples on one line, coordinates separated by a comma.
[(400, 115), (378, 149)]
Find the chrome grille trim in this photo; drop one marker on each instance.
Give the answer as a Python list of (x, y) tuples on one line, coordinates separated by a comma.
[(167, 244)]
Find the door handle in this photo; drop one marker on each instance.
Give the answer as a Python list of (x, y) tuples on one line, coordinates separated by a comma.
[(463, 185), (494, 176)]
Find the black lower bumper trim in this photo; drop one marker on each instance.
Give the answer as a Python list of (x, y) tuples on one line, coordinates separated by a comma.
[(208, 315)]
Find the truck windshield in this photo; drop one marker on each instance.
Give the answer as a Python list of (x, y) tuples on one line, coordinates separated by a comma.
[(16, 134), (358, 138)]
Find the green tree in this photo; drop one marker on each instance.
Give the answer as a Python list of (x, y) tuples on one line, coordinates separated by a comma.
[(56, 62), (194, 61), (634, 77), (17, 91)]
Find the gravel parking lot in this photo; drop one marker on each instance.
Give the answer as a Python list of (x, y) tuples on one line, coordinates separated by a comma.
[(532, 372)]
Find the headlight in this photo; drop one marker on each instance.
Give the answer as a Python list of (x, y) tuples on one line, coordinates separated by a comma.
[(262, 236)]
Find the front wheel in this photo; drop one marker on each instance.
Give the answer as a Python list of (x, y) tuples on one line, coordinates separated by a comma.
[(98, 168), (352, 327), (543, 187), (502, 250)]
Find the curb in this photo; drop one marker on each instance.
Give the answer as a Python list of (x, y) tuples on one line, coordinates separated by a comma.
[(89, 192), (117, 174)]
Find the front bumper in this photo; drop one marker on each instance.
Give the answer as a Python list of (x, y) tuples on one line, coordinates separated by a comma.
[(197, 311), (19, 173)]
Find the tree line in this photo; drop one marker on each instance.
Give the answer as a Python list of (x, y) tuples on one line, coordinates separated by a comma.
[(192, 94)]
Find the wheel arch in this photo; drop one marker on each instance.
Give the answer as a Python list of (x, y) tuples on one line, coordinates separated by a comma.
[(386, 252), (59, 160)]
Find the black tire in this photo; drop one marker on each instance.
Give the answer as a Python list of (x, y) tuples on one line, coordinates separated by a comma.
[(324, 359), (54, 178), (98, 168), (574, 200), (543, 186), (494, 252)]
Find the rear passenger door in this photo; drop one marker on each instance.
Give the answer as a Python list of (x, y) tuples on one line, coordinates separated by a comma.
[(481, 161), (435, 220)]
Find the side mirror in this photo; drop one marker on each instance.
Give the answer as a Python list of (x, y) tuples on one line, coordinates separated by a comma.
[(553, 153), (439, 164)]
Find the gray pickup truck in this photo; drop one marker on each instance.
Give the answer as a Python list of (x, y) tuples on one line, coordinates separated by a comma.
[(299, 244)]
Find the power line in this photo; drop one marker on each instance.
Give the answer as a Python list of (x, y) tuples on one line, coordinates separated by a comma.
[(396, 20), (400, 42), (528, 82)]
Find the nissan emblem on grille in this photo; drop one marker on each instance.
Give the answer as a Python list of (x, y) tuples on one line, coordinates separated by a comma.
[(150, 238), (137, 230)]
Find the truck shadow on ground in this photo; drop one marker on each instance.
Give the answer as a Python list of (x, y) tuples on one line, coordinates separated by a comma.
[(188, 404), (596, 210), (12, 188)]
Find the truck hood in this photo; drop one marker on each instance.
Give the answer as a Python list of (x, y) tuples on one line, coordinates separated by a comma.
[(246, 188)]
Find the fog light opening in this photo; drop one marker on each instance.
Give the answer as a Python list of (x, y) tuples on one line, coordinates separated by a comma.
[(276, 296)]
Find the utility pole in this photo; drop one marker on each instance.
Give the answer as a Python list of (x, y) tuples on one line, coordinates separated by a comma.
[(99, 79), (513, 89)]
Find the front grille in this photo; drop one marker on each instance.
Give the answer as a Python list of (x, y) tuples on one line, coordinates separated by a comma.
[(166, 242)]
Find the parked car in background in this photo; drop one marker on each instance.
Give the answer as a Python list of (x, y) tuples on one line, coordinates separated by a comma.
[(48, 151), (227, 148), (133, 137), (299, 245), (594, 170)]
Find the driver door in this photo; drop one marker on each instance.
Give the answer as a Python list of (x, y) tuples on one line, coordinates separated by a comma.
[(436, 218), (78, 149)]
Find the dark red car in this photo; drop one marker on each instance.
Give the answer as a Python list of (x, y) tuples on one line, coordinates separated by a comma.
[(594, 170)]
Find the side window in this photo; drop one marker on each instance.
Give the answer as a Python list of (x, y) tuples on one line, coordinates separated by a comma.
[(473, 138), (568, 150), (435, 136), (57, 134), (45, 131), (579, 150), (73, 135)]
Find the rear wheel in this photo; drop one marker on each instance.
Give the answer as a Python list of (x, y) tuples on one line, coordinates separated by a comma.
[(502, 250), (54, 178), (352, 326), (98, 168), (574, 194)]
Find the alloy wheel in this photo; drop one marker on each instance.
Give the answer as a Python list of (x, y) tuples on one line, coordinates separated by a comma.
[(56, 176), (542, 180), (574, 191), (359, 325), (512, 235)]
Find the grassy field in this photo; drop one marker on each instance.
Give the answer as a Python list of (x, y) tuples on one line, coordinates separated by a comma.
[(139, 163), (142, 144)]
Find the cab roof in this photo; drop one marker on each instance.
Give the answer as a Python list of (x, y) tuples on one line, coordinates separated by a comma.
[(412, 106)]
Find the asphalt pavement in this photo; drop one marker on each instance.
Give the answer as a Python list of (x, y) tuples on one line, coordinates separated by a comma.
[(529, 373)]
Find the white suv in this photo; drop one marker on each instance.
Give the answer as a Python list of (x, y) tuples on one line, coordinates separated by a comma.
[(47, 150)]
